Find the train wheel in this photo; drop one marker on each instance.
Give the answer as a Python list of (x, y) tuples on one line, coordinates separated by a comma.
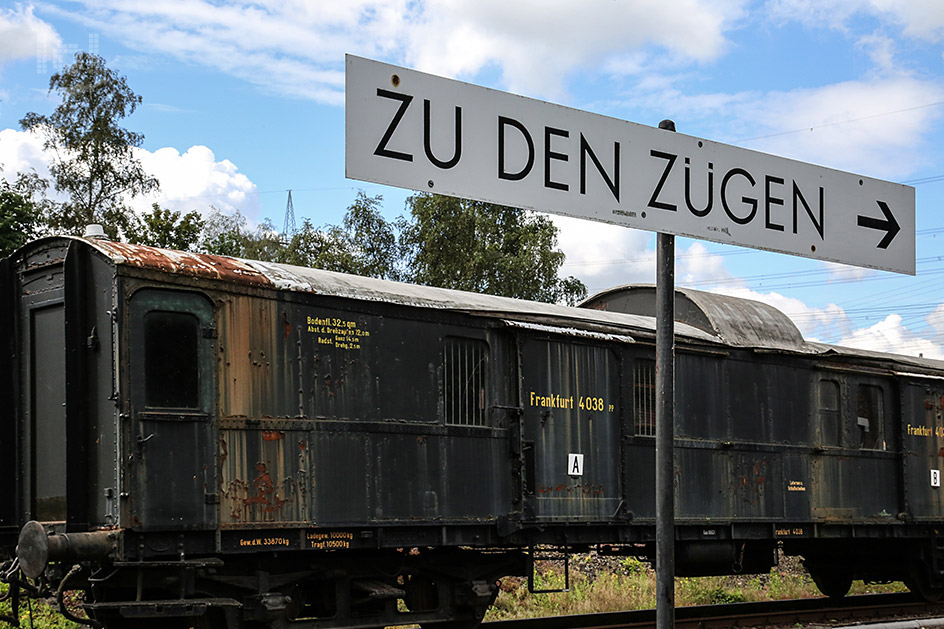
[(832, 582)]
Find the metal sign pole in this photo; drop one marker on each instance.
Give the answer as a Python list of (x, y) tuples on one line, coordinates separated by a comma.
[(665, 425)]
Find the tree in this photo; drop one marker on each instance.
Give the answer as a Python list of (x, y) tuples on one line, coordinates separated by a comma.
[(485, 248), (166, 228), (229, 235), (224, 234), (446, 242), (22, 209), (94, 158), (367, 244)]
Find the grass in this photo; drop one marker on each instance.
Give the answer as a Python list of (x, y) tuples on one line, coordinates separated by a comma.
[(597, 584), (614, 584), (40, 614)]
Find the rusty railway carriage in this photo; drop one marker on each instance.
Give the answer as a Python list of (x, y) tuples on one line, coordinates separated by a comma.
[(195, 439)]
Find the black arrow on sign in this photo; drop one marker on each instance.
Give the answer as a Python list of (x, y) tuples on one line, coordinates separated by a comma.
[(889, 224)]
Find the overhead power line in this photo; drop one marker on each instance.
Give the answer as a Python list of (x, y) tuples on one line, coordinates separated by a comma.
[(841, 122)]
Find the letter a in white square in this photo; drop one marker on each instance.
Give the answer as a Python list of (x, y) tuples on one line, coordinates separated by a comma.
[(575, 464)]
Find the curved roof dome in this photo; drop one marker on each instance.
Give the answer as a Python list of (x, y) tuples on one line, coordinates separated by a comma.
[(738, 322)]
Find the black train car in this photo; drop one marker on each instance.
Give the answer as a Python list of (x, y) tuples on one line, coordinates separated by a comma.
[(201, 440)]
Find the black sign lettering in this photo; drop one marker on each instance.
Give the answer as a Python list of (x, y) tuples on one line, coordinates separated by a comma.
[(457, 153), (382, 149), (549, 155), (504, 121), (771, 200), (670, 161), (888, 224), (747, 200), (614, 183), (688, 190), (798, 196)]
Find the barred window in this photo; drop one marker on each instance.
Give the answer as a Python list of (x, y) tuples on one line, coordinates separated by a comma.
[(829, 415), (465, 368), (870, 417), (644, 397)]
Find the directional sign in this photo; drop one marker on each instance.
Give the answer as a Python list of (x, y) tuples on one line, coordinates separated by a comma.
[(414, 130)]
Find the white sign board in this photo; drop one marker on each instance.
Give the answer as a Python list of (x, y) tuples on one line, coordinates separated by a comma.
[(574, 464), (414, 130)]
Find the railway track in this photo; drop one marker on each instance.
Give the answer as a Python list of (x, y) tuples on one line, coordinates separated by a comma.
[(766, 614)]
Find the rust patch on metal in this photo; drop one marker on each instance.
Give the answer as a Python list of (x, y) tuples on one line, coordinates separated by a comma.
[(272, 435), (265, 493), (184, 263)]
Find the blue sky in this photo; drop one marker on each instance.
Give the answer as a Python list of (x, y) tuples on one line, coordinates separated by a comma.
[(243, 101)]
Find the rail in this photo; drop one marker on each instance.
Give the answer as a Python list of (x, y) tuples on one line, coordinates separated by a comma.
[(772, 613)]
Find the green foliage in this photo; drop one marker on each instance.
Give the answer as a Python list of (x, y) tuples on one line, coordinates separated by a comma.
[(94, 165), (20, 216), (485, 248), (166, 228), (447, 242), (36, 613), (229, 235), (367, 244), (707, 591), (602, 584), (224, 234)]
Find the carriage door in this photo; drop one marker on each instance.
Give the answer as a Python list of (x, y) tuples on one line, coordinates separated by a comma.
[(172, 342), (570, 434)]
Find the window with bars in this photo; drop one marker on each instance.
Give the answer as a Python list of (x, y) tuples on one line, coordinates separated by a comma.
[(829, 413), (465, 375), (644, 397), (870, 417)]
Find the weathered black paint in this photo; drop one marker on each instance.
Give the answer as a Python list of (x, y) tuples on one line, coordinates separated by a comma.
[(322, 426)]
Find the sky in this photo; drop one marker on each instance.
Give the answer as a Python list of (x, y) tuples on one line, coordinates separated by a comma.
[(243, 101)]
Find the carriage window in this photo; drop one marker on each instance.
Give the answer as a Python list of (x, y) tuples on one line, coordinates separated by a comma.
[(644, 397), (870, 417), (829, 416), (171, 374), (465, 367)]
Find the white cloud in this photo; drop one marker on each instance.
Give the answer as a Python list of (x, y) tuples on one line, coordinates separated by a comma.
[(296, 47), (604, 255), (537, 43), (890, 335), (193, 180), (22, 152), (697, 265), (922, 19), (23, 35), (936, 319), (831, 322), (845, 273), (869, 126), (881, 50), (875, 126)]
